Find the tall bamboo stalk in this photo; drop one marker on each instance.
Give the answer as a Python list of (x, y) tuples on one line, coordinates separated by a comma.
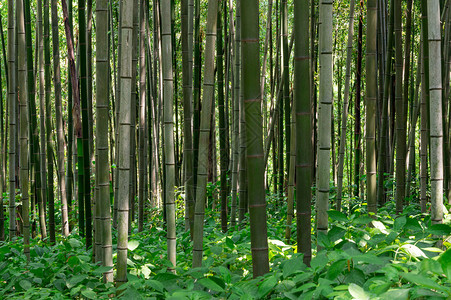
[(102, 113), (400, 112), (126, 27), (168, 116), (254, 134), (23, 129), (324, 118), (371, 98), (435, 111), (204, 131), (344, 119), (59, 120)]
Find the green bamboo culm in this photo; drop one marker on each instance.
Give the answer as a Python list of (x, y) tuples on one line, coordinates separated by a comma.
[(435, 111), (102, 114), (222, 126), (83, 154), (59, 121), (48, 123), (400, 121), (204, 132), (304, 146), (123, 200), (371, 96), (254, 135), (168, 130), (12, 119), (187, 112), (324, 118), (23, 122)]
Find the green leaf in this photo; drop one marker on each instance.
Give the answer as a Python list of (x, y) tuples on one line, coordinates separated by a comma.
[(304, 287), (75, 243), (89, 293), (156, 285), (216, 250), (363, 220), (370, 259), (422, 281), (25, 284), (401, 294), (336, 269), (413, 250), (225, 274), (132, 245), (285, 286), (266, 286), (73, 281), (399, 223), (131, 293), (210, 284), (292, 266), (60, 284), (431, 265), (337, 216), (380, 226), (102, 269), (230, 243), (358, 292), (319, 261), (336, 233), (439, 229), (445, 261)]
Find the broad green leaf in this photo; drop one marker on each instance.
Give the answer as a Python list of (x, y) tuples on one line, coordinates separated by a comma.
[(336, 269), (401, 294), (210, 284), (358, 292), (266, 286), (225, 274), (25, 284), (145, 271), (73, 281), (431, 265), (132, 245), (336, 233), (292, 266), (319, 261), (60, 284), (304, 287), (413, 224), (422, 281), (156, 285), (439, 229), (337, 216), (362, 220), (230, 243), (216, 250), (101, 270), (380, 226), (89, 293), (131, 293), (445, 261), (285, 286), (75, 243), (413, 250), (324, 241), (370, 259), (399, 223)]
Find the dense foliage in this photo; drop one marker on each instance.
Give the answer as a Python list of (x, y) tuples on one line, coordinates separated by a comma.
[(387, 257)]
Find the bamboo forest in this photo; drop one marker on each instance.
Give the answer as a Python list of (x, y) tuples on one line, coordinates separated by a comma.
[(225, 149)]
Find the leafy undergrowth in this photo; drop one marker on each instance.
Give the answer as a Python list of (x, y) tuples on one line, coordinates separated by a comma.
[(362, 258)]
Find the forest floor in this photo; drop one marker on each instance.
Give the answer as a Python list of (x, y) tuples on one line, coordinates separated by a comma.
[(388, 257)]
